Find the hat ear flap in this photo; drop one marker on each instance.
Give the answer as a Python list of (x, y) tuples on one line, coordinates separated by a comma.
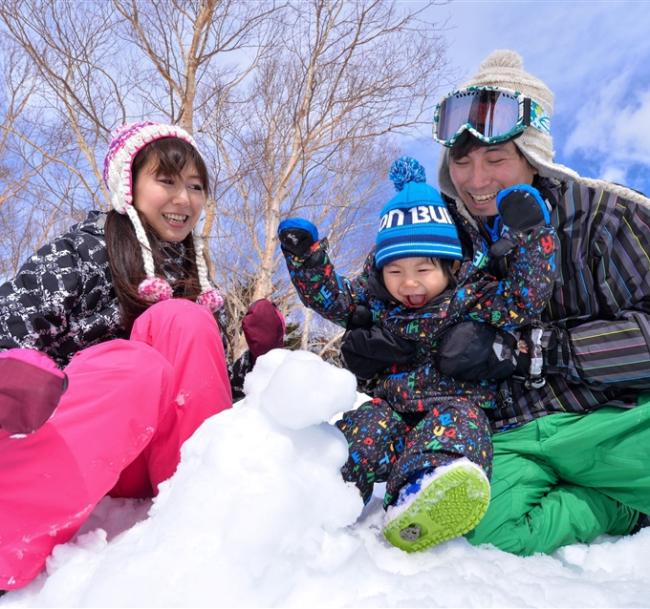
[(117, 204), (152, 288)]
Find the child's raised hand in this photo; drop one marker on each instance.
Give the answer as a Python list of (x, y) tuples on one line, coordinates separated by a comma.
[(522, 208), (297, 235)]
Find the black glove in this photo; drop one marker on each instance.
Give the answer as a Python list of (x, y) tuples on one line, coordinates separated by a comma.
[(473, 351), (368, 351), (297, 235), (361, 318)]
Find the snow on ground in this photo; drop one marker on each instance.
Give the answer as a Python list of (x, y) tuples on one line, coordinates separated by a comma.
[(258, 516)]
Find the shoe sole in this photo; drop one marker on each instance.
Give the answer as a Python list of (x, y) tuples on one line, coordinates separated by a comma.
[(448, 507)]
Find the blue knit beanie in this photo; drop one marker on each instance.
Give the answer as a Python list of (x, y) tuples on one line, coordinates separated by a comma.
[(416, 221)]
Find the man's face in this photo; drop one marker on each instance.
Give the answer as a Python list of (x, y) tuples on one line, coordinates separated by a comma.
[(483, 172)]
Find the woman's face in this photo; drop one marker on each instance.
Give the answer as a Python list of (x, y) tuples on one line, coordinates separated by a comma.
[(484, 171), (171, 204)]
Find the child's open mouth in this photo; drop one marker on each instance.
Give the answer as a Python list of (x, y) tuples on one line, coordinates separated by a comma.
[(417, 300)]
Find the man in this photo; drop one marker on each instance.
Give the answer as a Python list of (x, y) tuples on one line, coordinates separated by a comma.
[(572, 433)]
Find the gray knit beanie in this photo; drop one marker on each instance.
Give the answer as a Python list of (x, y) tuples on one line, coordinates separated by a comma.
[(504, 68)]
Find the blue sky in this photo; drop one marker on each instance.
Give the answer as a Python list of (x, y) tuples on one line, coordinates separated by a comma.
[(595, 57)]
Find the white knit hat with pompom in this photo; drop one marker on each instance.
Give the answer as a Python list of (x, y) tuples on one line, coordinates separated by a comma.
[(126, 142)]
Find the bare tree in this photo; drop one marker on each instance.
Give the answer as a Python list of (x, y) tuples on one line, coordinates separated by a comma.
[(72, 50), (100, 65), (181, 39), (295, 105), (19, 207), (198, 52), (311, 134)]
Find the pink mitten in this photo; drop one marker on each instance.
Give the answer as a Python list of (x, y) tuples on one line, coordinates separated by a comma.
[(31, 386)]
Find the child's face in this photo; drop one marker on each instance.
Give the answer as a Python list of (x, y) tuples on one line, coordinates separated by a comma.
[(172, 205), (414, 281)]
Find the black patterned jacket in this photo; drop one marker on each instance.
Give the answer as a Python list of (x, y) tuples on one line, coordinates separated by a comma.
[(62, 298)]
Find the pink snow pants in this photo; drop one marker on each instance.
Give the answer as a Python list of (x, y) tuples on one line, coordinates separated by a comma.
[(129, 406)]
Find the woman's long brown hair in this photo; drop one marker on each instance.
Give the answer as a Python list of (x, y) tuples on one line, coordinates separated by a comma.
[(169, 156)]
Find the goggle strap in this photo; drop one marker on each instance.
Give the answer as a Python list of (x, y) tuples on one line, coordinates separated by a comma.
[(526, 111)]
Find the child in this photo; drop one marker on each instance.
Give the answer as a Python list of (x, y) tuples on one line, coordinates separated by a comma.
[(113, 325), (424, 434)]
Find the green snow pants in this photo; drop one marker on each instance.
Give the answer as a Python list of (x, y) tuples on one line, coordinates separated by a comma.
[(568, 478)]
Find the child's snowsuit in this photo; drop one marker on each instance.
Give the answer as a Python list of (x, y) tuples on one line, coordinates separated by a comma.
[(419, 419)]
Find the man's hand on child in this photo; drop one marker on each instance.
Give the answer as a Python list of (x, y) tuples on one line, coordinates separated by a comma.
[(32, 386), (474, 351), (297, 235), (369, 351)]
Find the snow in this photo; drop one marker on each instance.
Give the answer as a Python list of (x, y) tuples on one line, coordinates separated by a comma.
[(257, 515)]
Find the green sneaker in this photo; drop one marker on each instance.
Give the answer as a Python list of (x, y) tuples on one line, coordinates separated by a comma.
[(442, 505)]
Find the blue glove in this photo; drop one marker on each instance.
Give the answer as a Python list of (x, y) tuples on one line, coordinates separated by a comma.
[(297, 235), (522, 208)]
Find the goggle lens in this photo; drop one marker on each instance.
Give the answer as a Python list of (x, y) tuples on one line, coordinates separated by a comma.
[(490, 114)]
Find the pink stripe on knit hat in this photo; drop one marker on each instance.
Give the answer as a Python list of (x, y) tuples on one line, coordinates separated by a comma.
[(118, 138)]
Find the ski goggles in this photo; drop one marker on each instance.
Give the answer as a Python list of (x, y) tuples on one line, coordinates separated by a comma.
[(490, 114)]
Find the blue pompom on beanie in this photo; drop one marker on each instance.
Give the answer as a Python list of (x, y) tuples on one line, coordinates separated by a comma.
[(416, 221)]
